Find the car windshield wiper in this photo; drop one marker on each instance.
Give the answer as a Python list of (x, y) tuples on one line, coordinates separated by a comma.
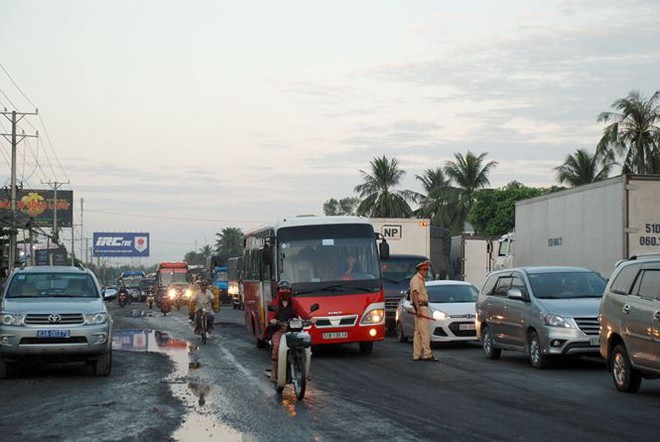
[(328, 288), (396, 281)]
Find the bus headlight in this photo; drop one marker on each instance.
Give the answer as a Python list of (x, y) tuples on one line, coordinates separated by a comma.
[(375, 316), (171, 293)]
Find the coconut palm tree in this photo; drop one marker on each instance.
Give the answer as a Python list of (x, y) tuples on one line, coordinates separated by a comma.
[(583, 168), (468, 173), (439, 200), (379, 198), (633, 134), (229, 242)]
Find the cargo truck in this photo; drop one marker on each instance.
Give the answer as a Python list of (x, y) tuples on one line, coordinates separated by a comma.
[(592, 226), (471, 257), (410, 241)]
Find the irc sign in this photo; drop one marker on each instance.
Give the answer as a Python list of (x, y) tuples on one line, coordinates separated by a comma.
[(391, 231), (120, 245)]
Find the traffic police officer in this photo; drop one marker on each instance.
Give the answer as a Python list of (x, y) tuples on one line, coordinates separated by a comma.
[(420, 299)]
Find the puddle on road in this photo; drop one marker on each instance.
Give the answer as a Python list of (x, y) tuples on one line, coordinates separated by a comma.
[(198, 421)]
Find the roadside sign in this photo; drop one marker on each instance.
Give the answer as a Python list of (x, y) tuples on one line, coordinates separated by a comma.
[(120, 245)]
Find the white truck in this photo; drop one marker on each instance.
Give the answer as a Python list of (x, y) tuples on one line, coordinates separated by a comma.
[(411, 241), (592, 226), (471, 258)]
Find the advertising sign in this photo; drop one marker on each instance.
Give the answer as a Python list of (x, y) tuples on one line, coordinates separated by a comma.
[(120, 245), (40, 205), (45, 257)]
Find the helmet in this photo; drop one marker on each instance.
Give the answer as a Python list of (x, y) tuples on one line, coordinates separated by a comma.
[(284, 285)]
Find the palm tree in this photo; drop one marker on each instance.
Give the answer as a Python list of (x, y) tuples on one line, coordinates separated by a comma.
[(229, 242), (206, 252), (469, 173), (379, 199), (583, 168), (439, 201), (633, 134)]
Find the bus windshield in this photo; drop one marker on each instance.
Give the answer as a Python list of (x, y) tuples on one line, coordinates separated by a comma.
[(167, 277), (324, 256)]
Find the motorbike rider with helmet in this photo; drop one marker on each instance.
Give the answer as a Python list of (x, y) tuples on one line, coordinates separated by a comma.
[(202, 301), (284, 307), (124, 290)]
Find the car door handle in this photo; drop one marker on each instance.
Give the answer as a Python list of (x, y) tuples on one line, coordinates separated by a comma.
[(626, 308)]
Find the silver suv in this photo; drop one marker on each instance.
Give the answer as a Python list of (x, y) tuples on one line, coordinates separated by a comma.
[(542, 311), (630, 323), (55, 313)]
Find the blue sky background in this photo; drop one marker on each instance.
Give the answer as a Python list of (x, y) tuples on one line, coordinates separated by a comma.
[(183, 117)]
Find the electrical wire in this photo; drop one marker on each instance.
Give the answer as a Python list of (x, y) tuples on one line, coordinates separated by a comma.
[(7, 98), (17, 87), (176, 218)]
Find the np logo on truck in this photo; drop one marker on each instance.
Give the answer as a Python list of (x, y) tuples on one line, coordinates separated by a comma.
[(391, 231)]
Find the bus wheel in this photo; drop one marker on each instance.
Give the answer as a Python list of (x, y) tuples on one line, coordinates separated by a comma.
[(366, 347)]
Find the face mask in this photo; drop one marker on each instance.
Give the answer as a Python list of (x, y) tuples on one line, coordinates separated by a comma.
[(285, 296)]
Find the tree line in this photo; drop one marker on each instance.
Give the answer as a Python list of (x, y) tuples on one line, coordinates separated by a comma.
[(457, 192)]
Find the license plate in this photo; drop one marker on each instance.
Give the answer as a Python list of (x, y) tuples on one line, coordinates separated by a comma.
[(336, 335), (466, 327), (53, 333), (594, 340)]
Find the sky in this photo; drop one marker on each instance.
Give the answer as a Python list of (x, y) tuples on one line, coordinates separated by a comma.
[(181, 118)]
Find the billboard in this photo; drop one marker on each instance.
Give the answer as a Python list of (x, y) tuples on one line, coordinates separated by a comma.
[(46, 257), (40, 205), (120, 245)]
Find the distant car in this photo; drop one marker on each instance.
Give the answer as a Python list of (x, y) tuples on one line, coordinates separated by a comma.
[(542, 311), (109, 292), (630, 323), (55, 313), (452, 306)]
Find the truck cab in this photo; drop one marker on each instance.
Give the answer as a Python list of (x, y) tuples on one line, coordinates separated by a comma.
[(397, 271)]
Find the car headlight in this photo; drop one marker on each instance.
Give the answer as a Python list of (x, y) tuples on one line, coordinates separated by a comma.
[(96, 318), (555, 321), (440, 316), (11, 318), (374, 316), (171, 293)]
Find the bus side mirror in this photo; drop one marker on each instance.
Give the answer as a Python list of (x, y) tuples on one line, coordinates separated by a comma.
[(384, 250), (314, 308)]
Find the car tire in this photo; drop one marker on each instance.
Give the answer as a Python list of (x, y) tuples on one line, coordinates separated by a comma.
[(103, 365), (3, 368), (488, 344), (626, 379), (366, 347), (536, 357), (399, 333)]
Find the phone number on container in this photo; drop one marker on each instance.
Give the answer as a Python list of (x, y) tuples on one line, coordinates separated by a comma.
[(649, 241)]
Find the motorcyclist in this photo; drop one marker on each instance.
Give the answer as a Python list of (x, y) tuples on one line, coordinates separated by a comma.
[(202, 300), (284, 307), (124, 290)]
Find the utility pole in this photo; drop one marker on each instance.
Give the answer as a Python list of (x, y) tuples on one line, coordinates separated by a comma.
[(56, 185), (14, 117), (82, 232)]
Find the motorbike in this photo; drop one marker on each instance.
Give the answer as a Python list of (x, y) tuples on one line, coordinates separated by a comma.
[(122, 298), (295, 356), (166, 302), (150, 300), (203, 316)]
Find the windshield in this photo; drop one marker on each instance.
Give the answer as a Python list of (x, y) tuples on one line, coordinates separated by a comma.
[(221, 275), (131, 282), (442, 294), (167, 277), (318, 257), (44, 285), (401, 269), (566, 285), (146, 283)]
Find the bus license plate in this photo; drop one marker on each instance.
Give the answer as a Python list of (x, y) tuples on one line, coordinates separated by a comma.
[(595, 340), (335, 335), (53, 333), (466, 326)]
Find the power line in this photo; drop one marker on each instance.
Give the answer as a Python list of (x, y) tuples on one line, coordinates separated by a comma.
[(17, 87), (176, 218), (7, 98)]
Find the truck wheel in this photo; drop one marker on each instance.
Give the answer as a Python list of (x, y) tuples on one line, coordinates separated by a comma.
[(399, 333), (366, 347), (625, 377)]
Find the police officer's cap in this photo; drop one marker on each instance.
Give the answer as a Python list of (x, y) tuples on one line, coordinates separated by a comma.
[(424, 265)]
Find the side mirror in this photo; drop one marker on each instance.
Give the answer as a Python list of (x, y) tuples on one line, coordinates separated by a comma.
[(515, 293), (314, 308), (384, 250)]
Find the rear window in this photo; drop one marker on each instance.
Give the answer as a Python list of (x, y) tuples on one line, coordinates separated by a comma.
[(57, 285), (567, 285), (442, 294), (623, 281)]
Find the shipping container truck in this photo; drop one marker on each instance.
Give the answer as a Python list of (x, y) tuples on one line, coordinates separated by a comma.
[(592, 226), (471, 257), (411, 241)]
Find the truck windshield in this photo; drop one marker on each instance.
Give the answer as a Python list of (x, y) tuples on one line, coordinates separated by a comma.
[(329, 258), (131, 282), (399, 269), (566, 285)]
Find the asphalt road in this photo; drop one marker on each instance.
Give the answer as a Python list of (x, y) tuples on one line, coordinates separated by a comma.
[(162, 387)]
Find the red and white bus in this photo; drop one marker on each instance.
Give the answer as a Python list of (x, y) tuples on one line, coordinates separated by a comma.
[(312, 254), (171, 272)]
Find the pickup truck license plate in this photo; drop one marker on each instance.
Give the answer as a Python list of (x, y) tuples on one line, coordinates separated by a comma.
[(53, 333), (335, 335), (594, 340), (466, 327)]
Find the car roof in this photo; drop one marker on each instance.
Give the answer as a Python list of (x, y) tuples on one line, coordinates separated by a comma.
[(447, 282), (546, 269), (52, 269)]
